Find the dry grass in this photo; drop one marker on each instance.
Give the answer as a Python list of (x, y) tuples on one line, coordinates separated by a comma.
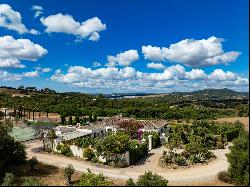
[(48, 175), (244, 120), (212, 183), (53, 176)]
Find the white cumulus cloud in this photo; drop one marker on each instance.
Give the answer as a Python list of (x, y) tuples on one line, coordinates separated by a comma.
[(192, 53), (219, 74), (123, 59), (60, 23), (196, 74), (6, 76), (12, 51), (31, 74), (96, 64), (153, 65), (129, 79), (12, 20), (46, 70)]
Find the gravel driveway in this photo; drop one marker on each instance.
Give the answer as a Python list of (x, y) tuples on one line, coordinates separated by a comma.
[(201, 173)]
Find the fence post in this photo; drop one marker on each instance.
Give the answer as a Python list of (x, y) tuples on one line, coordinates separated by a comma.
[(150, 142)]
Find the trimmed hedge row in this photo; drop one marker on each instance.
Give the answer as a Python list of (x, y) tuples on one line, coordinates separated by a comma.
[(138, 152)]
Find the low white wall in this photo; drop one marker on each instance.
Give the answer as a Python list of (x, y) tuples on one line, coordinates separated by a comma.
[(77, 152)]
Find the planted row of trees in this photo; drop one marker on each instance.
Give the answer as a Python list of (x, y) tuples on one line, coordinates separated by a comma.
[(73, 104)]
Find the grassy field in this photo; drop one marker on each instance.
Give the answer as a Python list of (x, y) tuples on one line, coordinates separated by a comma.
[(244, 120)]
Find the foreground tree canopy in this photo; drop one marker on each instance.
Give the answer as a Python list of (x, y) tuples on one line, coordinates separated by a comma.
[(238, 159), (11, 152)]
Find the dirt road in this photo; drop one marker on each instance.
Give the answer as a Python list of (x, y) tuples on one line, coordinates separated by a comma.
[(201, 173)]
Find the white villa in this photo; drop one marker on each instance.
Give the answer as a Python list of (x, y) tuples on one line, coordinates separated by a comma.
[(100, 128)]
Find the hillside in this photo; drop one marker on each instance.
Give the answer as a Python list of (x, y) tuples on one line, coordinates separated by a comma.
[(207, 94)]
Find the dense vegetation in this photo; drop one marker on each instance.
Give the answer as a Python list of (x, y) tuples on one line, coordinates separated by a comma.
[(109, 146), (196, 140), (238, 158), (172, 106), (91, 179), (148, 179), (11, 151)]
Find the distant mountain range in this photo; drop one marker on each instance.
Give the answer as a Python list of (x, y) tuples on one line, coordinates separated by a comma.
[(200, 94)]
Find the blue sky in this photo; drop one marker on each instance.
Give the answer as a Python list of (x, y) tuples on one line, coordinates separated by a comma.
[(199, 57)]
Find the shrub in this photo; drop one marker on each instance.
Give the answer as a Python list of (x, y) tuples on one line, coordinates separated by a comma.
[(197, 150), (223, 176), (113, 144), (91, 179), (194, 159), (85, 142), (68, 172), (94, 159), (220, 145), (8, 180), (64, 150), (121, 163), (30, 181), (181, 161), (88, 153), (130, 182), (118, 162), (167, 158), (137, 151), (150, 179)]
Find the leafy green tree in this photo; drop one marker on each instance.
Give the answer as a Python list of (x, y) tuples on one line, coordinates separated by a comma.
[(130, 182), (12, 152), (31, 181), (113, 143), (85, 141), (8, 180), (91, 179), (238, 159), (68, 172), (150, 179), (64, 150)]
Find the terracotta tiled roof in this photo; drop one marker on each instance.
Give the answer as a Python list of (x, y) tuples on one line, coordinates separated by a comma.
[(148, 124)]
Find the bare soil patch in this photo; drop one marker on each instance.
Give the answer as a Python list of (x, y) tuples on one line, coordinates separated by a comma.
[(48, 175)]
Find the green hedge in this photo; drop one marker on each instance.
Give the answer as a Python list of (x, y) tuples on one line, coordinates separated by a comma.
[(137, 151), (155, 138)]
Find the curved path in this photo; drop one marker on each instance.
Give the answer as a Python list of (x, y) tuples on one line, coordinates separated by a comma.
[(200, 173)]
